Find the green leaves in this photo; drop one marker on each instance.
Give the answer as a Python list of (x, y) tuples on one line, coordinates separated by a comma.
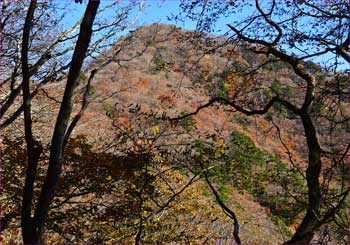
[(82, 76)]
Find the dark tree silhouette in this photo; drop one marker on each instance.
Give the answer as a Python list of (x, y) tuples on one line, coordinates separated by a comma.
[(33, 227)]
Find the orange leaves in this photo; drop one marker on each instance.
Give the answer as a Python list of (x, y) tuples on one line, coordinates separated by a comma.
[(231, 83), (143, 82)]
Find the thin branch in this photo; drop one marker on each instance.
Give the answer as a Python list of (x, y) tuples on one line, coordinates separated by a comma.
[(271, 22), (231, 103), (82, 110), (49, 96), (290, 156), (231, 214)]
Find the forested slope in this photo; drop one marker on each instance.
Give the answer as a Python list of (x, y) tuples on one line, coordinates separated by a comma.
[(133, 172)]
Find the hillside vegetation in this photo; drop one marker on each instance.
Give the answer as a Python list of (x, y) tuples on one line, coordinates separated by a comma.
[(134, 173)]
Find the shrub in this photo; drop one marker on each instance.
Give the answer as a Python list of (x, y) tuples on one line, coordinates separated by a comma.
[(159, 65), (188, 123)]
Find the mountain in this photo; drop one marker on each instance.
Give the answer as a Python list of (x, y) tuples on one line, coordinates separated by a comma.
[(130, 161)]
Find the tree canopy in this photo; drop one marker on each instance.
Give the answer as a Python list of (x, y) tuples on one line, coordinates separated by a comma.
[(167, 135)]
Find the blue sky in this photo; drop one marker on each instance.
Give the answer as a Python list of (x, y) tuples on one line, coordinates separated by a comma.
[(154, 12), (157, 11)]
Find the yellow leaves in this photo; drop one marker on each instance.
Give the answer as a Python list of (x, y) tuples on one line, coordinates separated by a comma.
[(158, 158), (207, 57), (112, 236), (155, 129), (300, 66), (229, 86), (220, 149), (207, 64), (231, 83)]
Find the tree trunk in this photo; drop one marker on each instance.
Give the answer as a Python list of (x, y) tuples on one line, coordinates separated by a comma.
[(34, 149), (33, 228), (305, 231)]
